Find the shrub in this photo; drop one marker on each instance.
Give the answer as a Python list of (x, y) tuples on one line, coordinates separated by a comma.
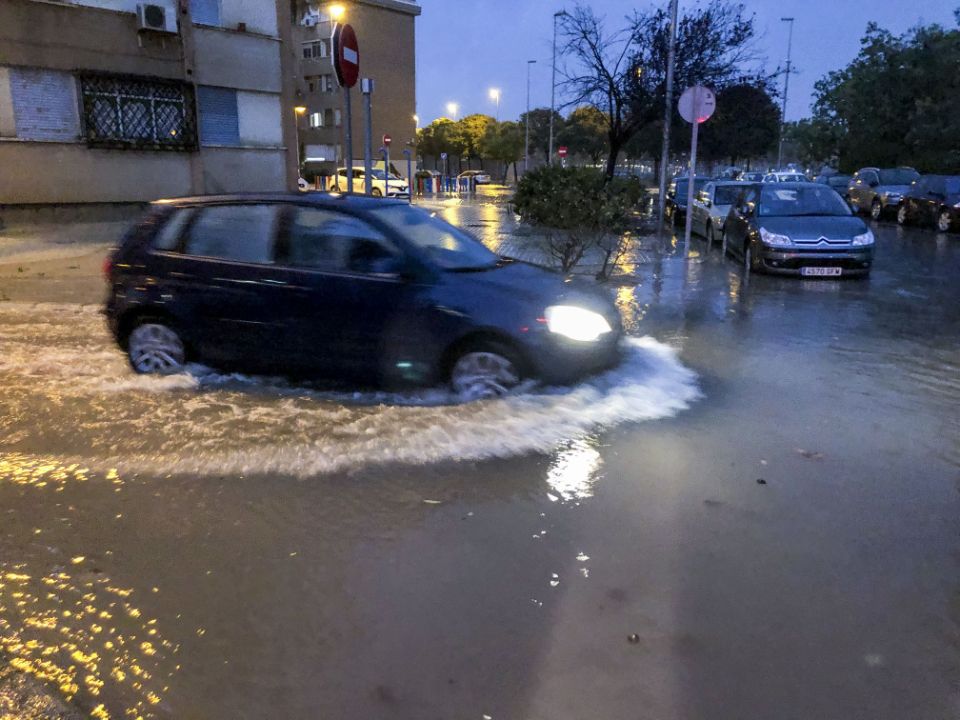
[(579, 209)]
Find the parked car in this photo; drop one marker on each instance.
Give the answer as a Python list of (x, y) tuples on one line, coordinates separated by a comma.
[(798, 229), (837, 182), (779, 177), (932, 200), (879, 191), (479, 176), (394, 187), (675, 206), (337, 286), (712, 205), (753, 177)]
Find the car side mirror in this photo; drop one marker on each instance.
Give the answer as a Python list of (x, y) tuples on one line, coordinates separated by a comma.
[(707, 203), (874, 183)]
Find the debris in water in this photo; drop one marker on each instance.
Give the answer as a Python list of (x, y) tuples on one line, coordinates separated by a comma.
[(555, 580), (433, 502), (583, 557), (761, 481), (552, 497), (810, 454), (633, 638), (585, 572)]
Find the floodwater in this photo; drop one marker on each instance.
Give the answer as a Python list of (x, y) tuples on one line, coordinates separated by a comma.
[(213, 546)]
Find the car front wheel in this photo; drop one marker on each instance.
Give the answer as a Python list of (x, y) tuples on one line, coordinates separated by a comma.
[(376, 192), (876, 210), (155, 349), (485, 371)]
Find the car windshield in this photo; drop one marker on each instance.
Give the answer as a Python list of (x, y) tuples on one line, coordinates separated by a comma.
[(726, 194), (809, 199), (953, 185), (898, 176), (838, 181), (379, 175), (681, 186), (447, 246)]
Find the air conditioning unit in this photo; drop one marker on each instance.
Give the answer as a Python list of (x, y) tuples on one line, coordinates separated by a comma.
[(156, 18)]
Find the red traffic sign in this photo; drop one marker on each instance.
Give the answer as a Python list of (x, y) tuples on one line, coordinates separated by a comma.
[(562, 151), (387, 140), (346, 56)]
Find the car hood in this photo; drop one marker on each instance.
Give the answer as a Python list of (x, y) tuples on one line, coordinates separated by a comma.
[(531, 285), (832, 227)]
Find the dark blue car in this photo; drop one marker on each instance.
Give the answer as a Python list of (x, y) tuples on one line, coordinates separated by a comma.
[(325, 286)]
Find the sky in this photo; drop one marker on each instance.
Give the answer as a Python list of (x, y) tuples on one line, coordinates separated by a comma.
[(467, 47)]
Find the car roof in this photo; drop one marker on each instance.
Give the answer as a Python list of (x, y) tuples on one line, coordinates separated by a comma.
[(353, 202), (732, 182)]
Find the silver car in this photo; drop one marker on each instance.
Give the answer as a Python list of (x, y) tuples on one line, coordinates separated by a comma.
[(712, 205), (879, 190)]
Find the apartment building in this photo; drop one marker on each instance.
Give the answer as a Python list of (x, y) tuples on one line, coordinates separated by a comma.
[(107, 101), (386, 32)]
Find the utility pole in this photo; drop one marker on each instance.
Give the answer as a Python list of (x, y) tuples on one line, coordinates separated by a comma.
[(526, 142), (553, 84), (786, 88), (667, 115)]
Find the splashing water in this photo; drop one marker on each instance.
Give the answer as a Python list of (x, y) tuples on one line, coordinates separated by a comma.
[(68, 392)]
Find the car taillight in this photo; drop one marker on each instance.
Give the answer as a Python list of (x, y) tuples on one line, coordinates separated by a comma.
[(107, 268)]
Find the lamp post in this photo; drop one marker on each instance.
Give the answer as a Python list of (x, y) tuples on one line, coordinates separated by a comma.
[(786, 88), (526, 141), (495, 96), (667, 116), (553, 83)]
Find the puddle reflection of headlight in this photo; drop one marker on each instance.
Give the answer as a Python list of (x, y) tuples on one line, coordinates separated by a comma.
[(576, 323), (573, 472)]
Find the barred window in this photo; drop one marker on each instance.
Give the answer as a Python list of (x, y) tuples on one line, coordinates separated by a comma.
[(141, 113)]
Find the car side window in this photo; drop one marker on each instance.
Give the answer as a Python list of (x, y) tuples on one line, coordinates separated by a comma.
[(331, 241), (241, 233), (937, 185), (871, 177), (168, 238)]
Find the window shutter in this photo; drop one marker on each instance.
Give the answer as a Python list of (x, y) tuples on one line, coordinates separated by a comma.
[(44, 105), (219, 121)]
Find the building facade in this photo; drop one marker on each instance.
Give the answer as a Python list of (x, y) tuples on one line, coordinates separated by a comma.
[(386, 32), (125, 101)]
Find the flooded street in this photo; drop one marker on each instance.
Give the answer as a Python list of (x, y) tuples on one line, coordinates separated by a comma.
[(755, 516)]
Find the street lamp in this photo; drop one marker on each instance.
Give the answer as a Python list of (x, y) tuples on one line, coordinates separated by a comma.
[(416, 119), (336, 12), (786, 88), (495, 96), (553, 83), (526, 141), (453, 109)]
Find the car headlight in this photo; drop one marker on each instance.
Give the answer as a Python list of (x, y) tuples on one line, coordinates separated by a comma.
[(576, 323), (865, 239), (776, 239)]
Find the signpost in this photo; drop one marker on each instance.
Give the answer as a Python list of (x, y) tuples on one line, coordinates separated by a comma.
[(366, 87), (408, 153), (562, 152), (346, 65), (386, 163), (696, 106), (446, 163)]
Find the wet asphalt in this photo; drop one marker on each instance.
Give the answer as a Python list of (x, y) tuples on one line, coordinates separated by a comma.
[(757, 517)]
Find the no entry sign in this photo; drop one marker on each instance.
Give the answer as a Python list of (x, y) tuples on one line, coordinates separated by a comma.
[(346, 56), (387, 140), (562, 152)]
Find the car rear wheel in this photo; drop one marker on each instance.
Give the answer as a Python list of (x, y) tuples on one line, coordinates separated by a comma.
[(876, 210), (485, 371), (943, 221), (155, 349), (855, 206), (376, 192), (751, 263), (711, 237), (902, 217)]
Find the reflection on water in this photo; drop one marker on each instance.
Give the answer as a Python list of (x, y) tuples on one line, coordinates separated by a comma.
[(574, 471), (84, 636), (47, 472)]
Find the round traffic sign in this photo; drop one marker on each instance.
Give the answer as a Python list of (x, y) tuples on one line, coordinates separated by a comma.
[(697, 102), (346, 55), (562, 151), (387, 140)]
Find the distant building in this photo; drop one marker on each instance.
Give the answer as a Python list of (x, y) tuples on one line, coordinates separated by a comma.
[(125, 101), (386, 34)]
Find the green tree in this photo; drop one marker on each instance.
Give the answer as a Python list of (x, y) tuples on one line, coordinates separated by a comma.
[(814, 141), (503, 142), (898, 102), (745, 125), (540, 129), (585, 133), (472, 130)]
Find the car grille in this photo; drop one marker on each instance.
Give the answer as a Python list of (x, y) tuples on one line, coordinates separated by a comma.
[(821, 242)]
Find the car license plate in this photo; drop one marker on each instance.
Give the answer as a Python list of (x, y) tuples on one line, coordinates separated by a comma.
[(821, 271)]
